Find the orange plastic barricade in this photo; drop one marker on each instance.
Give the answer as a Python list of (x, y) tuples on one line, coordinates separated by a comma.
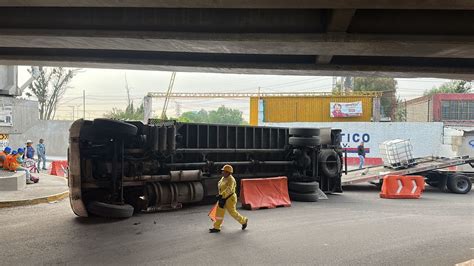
[(264, 193), (212, 213), (59, 168), (402, 187)]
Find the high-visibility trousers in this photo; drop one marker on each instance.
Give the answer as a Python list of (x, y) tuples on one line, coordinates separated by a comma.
[(230, 206)]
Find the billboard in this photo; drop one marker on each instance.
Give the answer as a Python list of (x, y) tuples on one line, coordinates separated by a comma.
[(352, 109), (6, 115)]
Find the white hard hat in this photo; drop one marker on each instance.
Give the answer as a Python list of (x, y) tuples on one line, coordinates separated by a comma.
[(29, 141)]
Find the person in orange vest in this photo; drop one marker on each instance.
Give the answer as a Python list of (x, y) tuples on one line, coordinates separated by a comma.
[(227, 200), (3, 155), (8, 160), (17, 161)]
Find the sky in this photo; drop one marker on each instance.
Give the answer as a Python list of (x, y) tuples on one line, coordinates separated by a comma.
[(105, 89)]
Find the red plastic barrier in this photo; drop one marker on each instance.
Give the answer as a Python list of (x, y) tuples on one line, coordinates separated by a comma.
[(59, 168), (264, 193), (402, 187)]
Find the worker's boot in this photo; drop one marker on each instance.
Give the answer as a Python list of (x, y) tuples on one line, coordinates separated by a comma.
[(214, 230), (245, 224)]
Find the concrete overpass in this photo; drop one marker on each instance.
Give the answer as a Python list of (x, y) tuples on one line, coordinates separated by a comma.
[(400, 38)]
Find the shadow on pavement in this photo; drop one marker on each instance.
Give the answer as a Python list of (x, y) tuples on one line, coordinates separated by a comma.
[(96, 220), (364, 187)]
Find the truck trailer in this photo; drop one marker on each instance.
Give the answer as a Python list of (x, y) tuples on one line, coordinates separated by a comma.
[(117, 168)]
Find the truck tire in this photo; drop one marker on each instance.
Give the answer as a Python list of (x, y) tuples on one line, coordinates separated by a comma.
[(304, 197), (432, 179), (330, 163), (304, 132), (459, 184), (304, 141), (107, 210), (114, 128), (303, 187)]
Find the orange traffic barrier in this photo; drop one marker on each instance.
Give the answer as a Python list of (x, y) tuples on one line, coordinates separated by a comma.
[(264, 193), (402, 187), (59, 168)]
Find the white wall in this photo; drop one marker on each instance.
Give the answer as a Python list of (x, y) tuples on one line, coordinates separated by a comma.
[(55, 134), (426, 138)]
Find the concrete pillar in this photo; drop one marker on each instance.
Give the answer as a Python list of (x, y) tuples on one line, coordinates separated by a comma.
[(147, 108), (9, 81)]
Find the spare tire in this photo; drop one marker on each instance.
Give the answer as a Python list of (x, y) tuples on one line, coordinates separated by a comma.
[(330, 163), (114, 128), (304, 141), (303, 187), (459, 184), (107, 210), (304, 132), (304, 197)]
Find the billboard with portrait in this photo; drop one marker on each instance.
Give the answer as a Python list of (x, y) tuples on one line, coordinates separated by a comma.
[(352, 109)]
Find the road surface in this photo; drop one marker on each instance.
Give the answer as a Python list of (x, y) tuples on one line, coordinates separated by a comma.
[(354, 228)]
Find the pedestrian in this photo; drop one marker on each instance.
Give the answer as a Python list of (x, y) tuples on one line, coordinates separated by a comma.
[(3, 155), (227, 200), (17, 161), (30, 151), (8, 160), (41, 151), (361, 153)]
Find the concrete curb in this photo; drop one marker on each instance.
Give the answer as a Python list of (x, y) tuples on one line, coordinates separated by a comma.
[(47, 199)]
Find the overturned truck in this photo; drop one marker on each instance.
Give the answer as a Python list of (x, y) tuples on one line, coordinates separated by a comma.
[(117, 168)]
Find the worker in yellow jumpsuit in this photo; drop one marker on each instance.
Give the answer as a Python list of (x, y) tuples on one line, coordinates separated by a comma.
[(227, 200)]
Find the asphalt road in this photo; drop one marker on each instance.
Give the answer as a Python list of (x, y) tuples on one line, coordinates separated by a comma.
[(354, 228)]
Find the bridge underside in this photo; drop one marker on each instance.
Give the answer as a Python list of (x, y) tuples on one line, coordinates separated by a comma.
[(431, 38)]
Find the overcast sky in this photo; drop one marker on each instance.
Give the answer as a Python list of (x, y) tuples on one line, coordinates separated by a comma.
[(105, 89)]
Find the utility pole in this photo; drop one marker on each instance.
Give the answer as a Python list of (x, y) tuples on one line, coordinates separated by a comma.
[(83, 104)]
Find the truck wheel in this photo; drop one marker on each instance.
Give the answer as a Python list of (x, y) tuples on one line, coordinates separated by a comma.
[(459, 184), (304, 141), (114, 128), (304, 132), (432, 179), (330, 163), (304, 197), (303, 187), (107, 210)]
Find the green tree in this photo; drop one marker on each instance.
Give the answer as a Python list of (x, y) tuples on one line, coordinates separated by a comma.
[(454, 86), (388, 85), (49, 87), (200, 116), (130, 113), (222, 115), (401, 111), (387, 101)]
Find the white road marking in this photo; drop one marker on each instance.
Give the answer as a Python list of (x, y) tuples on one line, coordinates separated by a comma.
[(466, 263)]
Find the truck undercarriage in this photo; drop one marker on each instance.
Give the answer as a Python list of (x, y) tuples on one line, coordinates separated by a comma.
[(117, 168)]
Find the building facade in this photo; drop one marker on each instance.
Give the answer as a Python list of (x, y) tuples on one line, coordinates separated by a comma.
[(450, 108)]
